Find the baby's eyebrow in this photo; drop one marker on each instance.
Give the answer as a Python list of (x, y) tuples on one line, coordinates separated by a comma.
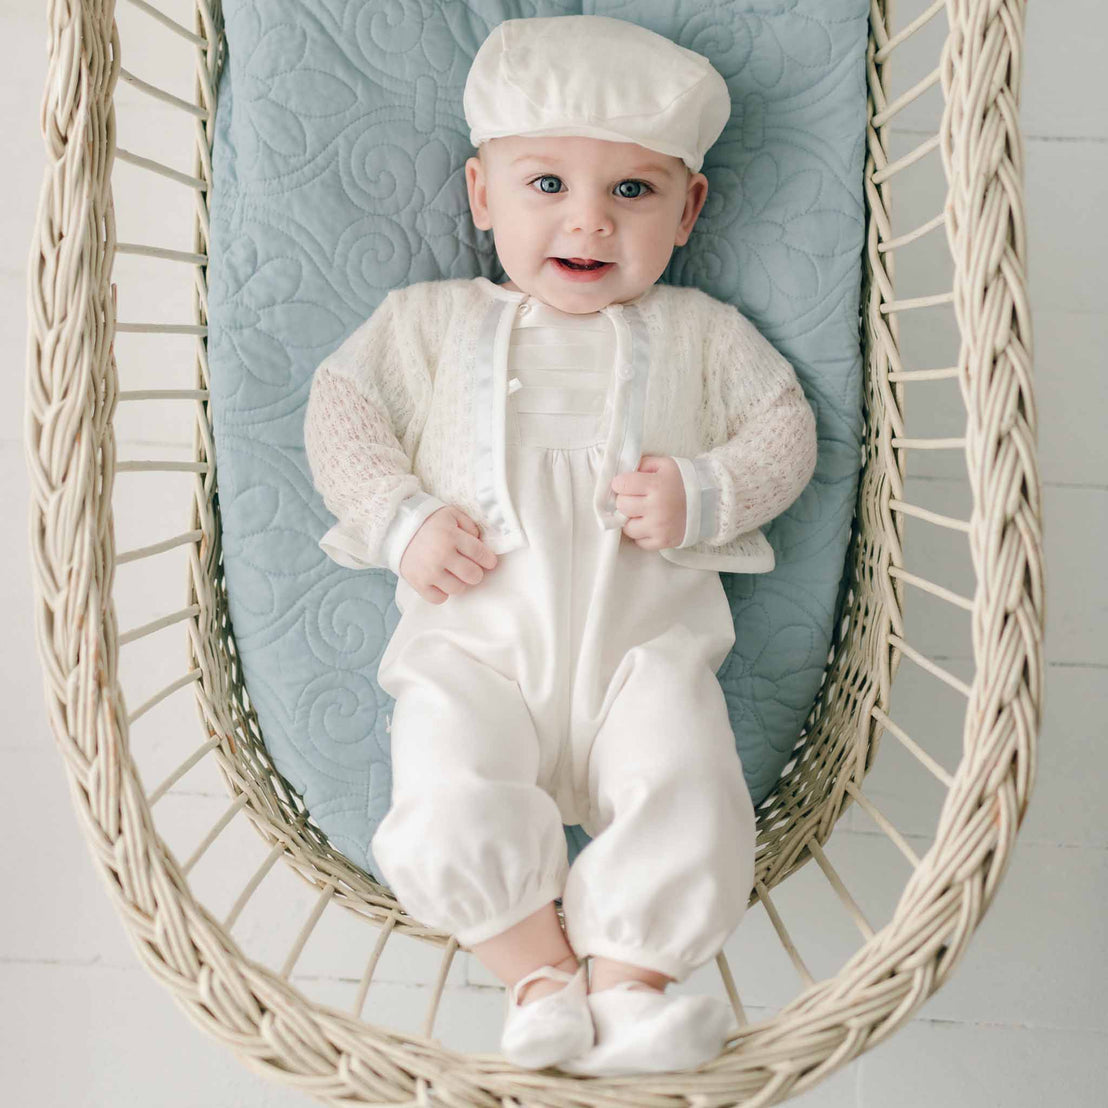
[(650, 167)]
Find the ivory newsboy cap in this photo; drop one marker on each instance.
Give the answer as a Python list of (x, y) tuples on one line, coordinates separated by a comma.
[(595, 76)]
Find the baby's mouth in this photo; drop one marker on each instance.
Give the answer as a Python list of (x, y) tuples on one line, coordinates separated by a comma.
[(581, 263)]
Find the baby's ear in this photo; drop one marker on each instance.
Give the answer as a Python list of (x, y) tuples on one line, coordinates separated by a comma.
[(476, 186)]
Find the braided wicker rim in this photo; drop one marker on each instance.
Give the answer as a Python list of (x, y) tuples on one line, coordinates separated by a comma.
[(70, 449)]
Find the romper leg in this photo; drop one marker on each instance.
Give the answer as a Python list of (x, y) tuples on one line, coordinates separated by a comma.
[(470, 844), (668, 875)]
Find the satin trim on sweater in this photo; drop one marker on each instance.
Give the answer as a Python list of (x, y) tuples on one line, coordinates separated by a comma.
[(490, 410), (623, 449)]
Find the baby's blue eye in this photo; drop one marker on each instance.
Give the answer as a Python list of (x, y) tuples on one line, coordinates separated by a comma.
[(623, 195), (635, 195)]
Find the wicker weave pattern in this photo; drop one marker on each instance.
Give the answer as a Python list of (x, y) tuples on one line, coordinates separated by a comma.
[(336, 1056)]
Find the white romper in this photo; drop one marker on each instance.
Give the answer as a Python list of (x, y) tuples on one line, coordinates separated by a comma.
[(576, 683)]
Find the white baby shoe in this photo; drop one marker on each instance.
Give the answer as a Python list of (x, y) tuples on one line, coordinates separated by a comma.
[(552, 1028), (640, 1030)]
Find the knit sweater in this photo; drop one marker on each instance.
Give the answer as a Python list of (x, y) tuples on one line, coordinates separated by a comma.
[(408, 415)]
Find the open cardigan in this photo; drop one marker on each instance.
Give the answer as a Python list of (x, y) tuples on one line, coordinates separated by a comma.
[(408, 415)]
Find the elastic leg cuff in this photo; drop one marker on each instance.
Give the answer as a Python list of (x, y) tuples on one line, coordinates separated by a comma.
[(489, 928)]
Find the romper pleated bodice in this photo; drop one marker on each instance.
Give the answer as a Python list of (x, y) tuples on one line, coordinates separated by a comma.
[(559, 377)]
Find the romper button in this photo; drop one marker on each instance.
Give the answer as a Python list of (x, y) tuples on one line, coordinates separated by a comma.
[(626, 372), (524, 308)]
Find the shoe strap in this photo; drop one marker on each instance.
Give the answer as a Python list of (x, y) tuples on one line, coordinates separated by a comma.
[(552, 972), (628, 985)]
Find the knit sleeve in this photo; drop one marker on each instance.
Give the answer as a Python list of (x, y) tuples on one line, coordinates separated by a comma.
[(769, 455), (360, 407)]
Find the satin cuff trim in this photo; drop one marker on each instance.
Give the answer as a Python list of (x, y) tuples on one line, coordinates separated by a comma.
[(410, 514)]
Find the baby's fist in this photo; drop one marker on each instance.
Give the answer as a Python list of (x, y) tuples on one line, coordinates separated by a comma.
[(653, 499), (445, 556)]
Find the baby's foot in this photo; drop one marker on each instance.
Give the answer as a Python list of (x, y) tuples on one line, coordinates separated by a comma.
[(640, 1029), (553, 1027)]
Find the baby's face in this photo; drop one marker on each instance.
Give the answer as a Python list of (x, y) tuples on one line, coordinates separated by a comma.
[(576, 197)]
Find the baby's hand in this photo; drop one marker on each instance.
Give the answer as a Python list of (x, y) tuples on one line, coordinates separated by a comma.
[(445, 556), (653, 499)]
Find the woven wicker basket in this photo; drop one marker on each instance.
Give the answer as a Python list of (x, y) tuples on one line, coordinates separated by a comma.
[(341, 1057)]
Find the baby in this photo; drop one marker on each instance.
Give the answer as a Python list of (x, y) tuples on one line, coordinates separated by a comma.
[(556, 468)]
